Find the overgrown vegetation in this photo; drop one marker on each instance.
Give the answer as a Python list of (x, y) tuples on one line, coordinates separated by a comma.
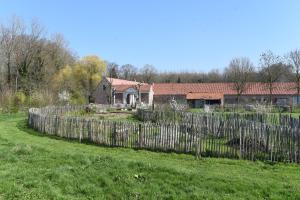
[(34, 166), (110, 114), (36, 70)]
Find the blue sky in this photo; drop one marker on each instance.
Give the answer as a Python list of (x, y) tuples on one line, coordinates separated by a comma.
[(172, 35)]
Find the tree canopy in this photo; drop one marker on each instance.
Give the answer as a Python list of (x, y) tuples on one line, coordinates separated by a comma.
[(81, 78)]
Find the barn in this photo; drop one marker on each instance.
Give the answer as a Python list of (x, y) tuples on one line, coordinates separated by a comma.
[(196, 95)]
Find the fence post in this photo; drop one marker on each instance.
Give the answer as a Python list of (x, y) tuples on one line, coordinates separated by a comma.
[(141, 137), (89, 129), (185, 139), (81, 130), (114, 134), (241, 137)]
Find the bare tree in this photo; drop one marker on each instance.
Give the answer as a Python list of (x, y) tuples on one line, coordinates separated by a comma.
[(294, 58), (148, 73), (28, 59), (214, 76), (8, 44), (112, 70), (239, 72), (128, 72), (54, 55), (270, 70)]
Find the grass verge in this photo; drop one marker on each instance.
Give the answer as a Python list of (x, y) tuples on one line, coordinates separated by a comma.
[(35, 166)]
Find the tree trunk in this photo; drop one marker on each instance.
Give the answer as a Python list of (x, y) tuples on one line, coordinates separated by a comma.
[(237, 102), (16, 88), (298, 92), (271, 95), (9, 74)]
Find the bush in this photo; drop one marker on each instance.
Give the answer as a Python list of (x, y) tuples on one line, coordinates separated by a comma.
[(19, 99), (6, 102), (78, 99), (12, 102), (35, 99), (40, 99)]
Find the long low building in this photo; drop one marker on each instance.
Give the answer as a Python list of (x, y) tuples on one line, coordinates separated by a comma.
[(118, 91)]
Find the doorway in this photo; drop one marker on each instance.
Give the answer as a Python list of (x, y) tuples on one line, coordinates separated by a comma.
[(128, 98)]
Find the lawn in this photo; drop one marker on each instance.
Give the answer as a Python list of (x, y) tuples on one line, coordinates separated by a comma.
[(34, 166)]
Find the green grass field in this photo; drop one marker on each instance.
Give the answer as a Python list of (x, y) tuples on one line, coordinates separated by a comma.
[(34, 166)]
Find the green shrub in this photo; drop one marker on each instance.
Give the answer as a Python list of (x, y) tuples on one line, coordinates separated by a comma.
[(40, 99), (77, 99), (35, 99), (6, 103), (12, 102), (19, 100)]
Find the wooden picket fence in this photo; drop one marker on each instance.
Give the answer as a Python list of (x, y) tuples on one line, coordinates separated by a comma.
[(206, 135), (194, 118)]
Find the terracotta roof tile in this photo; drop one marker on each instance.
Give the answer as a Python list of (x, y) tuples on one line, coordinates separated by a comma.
[(208, 96), (122, 88), (116, 81), (224, 88), (122, 85)]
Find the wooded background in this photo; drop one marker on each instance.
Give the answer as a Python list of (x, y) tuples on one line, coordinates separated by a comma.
[(39, 68)]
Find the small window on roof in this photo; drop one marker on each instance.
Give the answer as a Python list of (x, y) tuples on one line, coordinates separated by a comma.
[(104, 87)]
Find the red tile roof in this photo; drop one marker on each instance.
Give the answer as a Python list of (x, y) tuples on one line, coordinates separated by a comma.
[(122, 88), (207, 96), (223, 88), (116, 81), (122, 85)]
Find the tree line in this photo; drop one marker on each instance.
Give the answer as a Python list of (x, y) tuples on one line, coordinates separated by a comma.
[(28, 59), (240, 71), (281, 68), (37, 68)]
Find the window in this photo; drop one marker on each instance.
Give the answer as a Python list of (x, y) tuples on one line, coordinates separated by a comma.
[(104, 87)]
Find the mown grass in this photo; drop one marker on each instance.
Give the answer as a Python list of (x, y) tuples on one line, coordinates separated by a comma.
[(35, 166)]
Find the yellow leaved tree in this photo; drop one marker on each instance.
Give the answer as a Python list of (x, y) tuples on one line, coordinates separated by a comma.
[(81, 79)]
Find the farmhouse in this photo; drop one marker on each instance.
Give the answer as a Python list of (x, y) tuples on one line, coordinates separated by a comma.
[(118, 91)]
